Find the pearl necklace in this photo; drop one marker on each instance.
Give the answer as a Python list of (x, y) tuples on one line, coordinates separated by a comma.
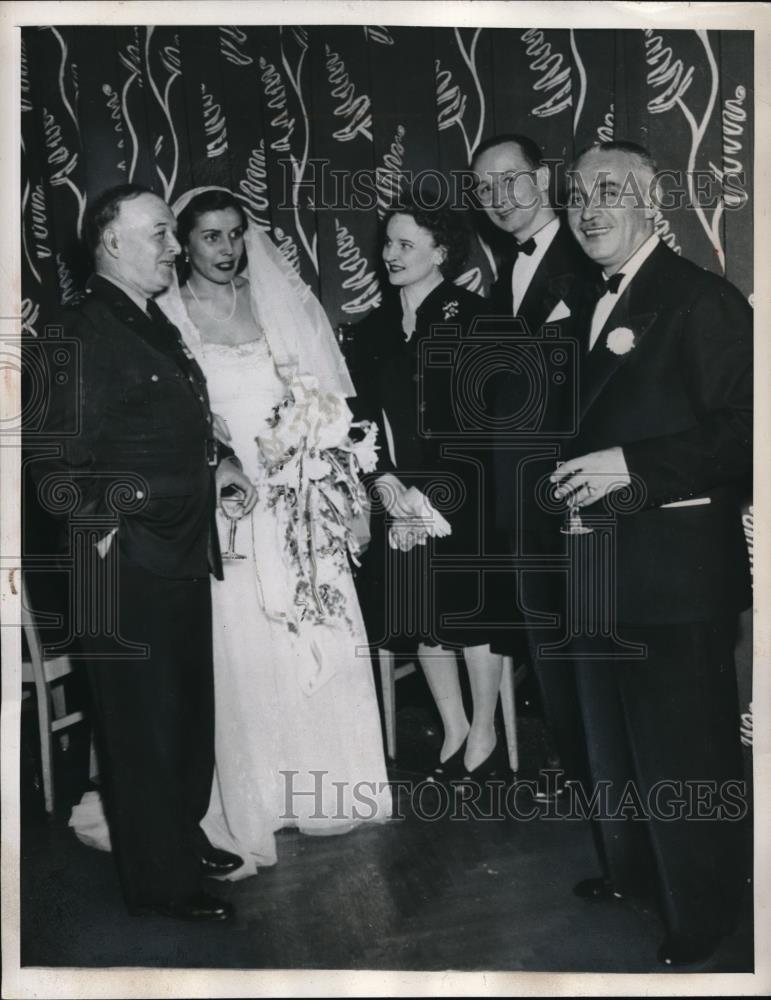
[(217, 319)]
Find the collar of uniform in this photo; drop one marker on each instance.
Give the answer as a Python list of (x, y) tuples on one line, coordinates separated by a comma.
[(113, 294)]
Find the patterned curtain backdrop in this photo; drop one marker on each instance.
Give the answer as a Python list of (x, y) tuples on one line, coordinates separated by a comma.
[(315, 129)]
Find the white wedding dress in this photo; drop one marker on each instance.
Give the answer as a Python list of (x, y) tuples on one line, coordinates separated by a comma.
[(297, 729)]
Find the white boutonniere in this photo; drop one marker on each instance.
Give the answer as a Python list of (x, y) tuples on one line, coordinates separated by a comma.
[(450, 309), (621, 340)]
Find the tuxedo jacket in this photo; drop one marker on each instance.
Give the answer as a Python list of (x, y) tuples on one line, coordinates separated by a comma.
[(536, 408), (562, 263), (676, 395), (142, 444)]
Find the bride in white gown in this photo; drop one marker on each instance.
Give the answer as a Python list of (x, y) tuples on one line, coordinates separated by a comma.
[(297, 728)]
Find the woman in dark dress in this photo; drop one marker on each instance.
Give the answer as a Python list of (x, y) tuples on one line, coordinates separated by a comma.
[(413, 361)]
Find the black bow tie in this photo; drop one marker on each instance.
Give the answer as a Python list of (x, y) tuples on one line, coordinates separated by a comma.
[(612, 285), (526, 248)]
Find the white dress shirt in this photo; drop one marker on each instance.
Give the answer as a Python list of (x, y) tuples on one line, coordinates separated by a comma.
[(525, 267), (607, 303)]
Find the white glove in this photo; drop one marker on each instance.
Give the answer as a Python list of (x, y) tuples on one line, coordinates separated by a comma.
[(404, 535), (408, 504)]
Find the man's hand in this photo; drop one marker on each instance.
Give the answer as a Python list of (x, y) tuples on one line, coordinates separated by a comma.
[(230, 474), (588, 478)]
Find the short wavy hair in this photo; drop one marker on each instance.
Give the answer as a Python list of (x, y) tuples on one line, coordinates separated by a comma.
[(448, 228), (531, 151), (640, 153), (104, 209)]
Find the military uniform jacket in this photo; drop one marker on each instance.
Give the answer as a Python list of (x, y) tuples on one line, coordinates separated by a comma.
[(142, 453)]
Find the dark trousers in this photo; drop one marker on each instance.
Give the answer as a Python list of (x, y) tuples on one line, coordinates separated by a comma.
[(663, 733), (155, 730), (542, 596)]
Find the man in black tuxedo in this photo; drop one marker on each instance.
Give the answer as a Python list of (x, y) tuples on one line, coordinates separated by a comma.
[(143, 463), (540, 256), (541, 268), (666, 416)]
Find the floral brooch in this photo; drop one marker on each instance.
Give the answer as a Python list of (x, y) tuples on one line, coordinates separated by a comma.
[(450, 309), (621, 340)]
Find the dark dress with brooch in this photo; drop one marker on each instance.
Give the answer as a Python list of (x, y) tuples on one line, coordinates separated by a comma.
[(427, 395)]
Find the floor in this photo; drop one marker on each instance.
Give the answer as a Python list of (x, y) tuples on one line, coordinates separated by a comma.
[(415, 894)]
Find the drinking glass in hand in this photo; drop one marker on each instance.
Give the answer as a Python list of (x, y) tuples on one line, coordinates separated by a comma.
[(573, 525), (232, 506)]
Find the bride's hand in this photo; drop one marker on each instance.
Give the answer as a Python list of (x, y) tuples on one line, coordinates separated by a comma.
[(229, 473), (220, 428)]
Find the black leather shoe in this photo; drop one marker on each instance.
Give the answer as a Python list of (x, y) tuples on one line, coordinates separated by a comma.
[(495, 766), (199, 907), (551, 785), (218, 862), (597, 890), (687, 949), (451, 769)]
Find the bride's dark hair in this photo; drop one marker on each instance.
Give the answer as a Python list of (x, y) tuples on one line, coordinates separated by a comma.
[(214, 200)]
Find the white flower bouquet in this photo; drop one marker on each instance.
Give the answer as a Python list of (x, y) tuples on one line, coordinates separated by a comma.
[(314, 450)]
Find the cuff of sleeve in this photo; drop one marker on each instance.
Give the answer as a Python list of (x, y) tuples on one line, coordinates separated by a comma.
[(647, 466)]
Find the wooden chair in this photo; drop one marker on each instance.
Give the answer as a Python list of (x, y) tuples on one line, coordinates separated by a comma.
[(46, 675), (390, 674)]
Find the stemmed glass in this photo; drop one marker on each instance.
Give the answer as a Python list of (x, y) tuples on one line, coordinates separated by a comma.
[(232, 506), (573, 525)]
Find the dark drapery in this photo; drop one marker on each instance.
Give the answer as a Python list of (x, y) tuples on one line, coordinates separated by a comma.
[(307, 123)]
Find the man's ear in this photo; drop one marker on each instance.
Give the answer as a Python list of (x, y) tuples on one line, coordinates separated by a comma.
[(110, 241), (542, 177), (653, 199)]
